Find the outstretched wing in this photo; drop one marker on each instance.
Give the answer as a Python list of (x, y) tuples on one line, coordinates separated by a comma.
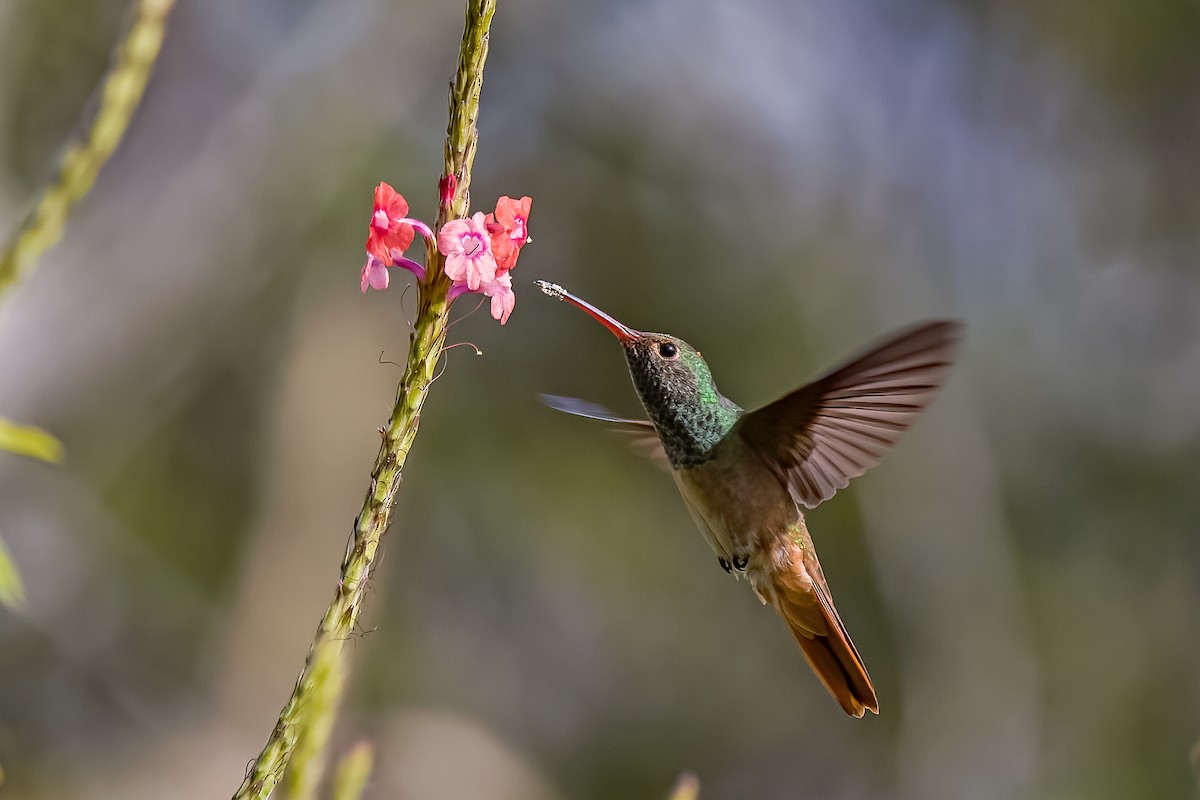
[(644, 438), (822, 435)]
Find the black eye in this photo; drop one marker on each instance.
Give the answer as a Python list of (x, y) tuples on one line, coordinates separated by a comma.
[(740, 563), (668, 350)]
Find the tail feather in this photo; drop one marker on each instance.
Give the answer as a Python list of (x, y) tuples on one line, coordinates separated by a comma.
[(834, 658)]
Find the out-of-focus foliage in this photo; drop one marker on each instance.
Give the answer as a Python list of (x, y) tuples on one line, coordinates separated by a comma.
[(29, 441), (777, 183), (33, 442), (84, 156), (353, 772), (12, 590)]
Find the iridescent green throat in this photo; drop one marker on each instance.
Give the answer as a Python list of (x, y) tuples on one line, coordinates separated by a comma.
[(682, 400)]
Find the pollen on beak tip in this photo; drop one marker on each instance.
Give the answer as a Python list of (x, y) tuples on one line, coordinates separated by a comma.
[(552, 289)]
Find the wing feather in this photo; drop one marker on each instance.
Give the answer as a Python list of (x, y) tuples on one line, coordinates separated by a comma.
[(821, 436), (644, 438)]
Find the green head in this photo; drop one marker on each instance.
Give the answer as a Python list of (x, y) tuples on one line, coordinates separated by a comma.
[(674, 384)]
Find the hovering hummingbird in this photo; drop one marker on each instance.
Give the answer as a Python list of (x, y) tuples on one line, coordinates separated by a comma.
[(746, 475)]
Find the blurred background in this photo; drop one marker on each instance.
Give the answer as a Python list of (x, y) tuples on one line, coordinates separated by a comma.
[(777, 183)]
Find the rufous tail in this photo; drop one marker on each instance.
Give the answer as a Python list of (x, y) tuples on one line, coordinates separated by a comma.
[(831, 655)]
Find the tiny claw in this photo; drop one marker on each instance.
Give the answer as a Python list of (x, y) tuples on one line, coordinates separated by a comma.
[(382, 432)]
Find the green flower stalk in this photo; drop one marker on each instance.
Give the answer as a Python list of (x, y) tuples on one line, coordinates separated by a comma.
[(353, 772), (314, 700), (124, 85)]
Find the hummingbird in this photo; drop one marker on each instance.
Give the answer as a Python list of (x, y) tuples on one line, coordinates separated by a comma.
[(747, 477)]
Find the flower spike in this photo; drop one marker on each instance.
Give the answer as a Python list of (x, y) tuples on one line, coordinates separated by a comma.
[(479, 250)]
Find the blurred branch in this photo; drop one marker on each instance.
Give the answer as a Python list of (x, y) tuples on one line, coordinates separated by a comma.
[(33, 442), (687, 787), (26, 440), (12, 591), (124, 85), (425, 349), (353, 772)]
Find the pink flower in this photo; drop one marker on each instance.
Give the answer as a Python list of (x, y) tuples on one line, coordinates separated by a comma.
[(390, 229), (509, 229), (503, 299), (467, 247), (374, 274)]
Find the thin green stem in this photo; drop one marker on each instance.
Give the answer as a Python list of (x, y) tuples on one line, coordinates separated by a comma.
[(353, 772), (425, 349), (124, 85)]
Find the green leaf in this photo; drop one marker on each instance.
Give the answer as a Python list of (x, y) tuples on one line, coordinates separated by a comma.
[(12, 592), (26, 440)]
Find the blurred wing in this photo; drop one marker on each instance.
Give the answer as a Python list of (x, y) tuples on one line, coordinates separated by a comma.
[(822, 435), (645, 441)]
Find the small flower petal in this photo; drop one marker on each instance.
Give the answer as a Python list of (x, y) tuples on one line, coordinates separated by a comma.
[(390, 201), (503, 299), (374, 275), (505, 251), (514, 216), (503, 304)]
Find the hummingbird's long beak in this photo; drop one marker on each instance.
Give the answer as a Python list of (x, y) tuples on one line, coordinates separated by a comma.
[(620, 331)]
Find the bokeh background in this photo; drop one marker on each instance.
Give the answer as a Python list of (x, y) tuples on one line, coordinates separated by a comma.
[(778, 183)]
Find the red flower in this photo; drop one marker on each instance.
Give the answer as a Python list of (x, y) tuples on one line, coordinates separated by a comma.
[(509, 229), (390, 230), (503, 248)]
